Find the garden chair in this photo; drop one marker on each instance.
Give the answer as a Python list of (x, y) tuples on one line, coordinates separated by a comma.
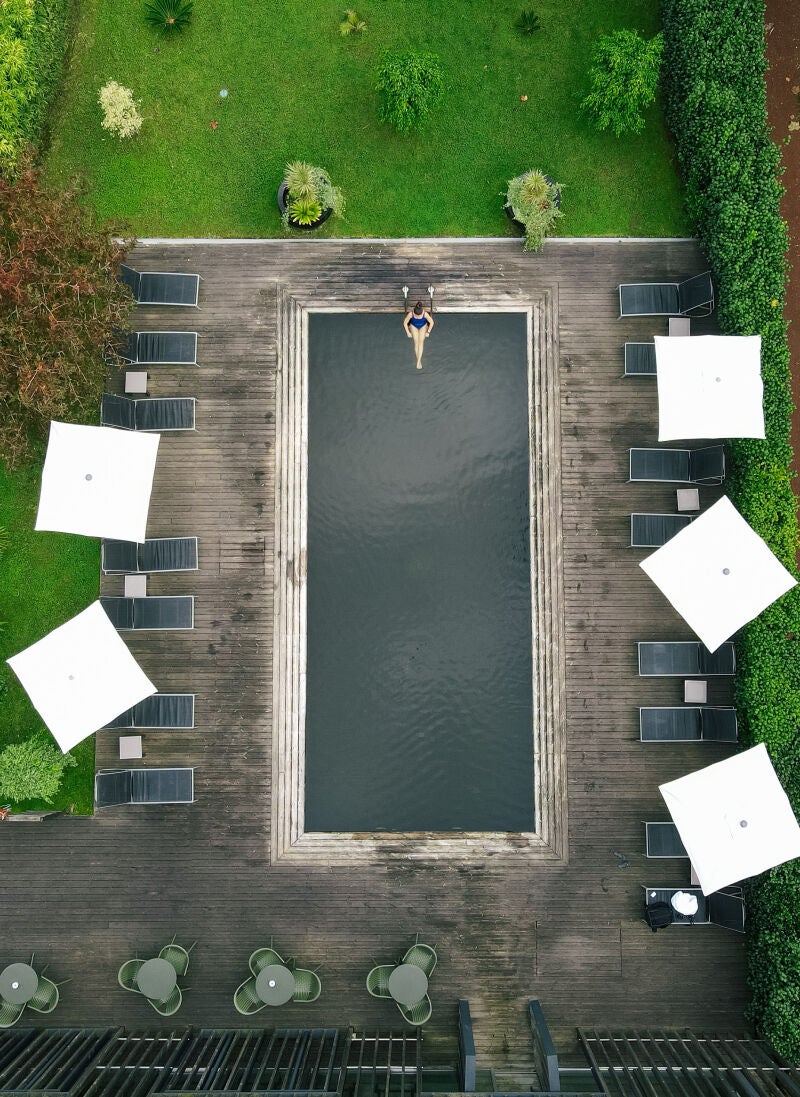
[(162, 710), (307, 985), (654, 530), (126, 976), (153, 555), (684, 658), (9, 1014), (172, 1004), (246, 1000), (155, 413), (704, 466), (161, 287), (693, 296), (663, 840), (378, 980), (144, 786), (164, 612), (45, 999), (263, 957), (161, 348), (422, 956), (418, 1014), (640, 360), (688, 724), (177, 955)]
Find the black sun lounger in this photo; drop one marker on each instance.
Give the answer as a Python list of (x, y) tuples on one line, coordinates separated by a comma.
[(640, 360), (162, 710), (704, 466), (663, 840), (155, 554), (171, 611), (154, 413), (161, 288), (683, 658), (144, 786), (722, 908), (161, 348), (693, 297), (688, 724), (654, 530)]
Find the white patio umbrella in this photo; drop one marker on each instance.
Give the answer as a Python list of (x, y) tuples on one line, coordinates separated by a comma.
[(734, 819), (709, 386), (80, 676), (718, 573), (97, 481)]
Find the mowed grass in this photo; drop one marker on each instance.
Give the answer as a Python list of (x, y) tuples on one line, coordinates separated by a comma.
[(45, 578), (298, 90)]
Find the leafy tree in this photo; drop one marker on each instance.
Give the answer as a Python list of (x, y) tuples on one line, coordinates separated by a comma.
[(60, 306), (32, 770), (623, 79), (410, 85)]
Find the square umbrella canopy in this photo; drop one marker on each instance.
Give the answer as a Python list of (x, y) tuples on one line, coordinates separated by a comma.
[(718, 573), (81, 676), (97, 481), (734, 819), (709, 386)]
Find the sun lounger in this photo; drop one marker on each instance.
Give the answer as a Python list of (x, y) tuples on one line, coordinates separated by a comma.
[(688, 724), (640, 360), (174, 611), (654, 530), (155, 413), (160, 287), (144, 786), (663, 840), (161, 348), (704, 466), (162, 710), (684, 658), (692, 297), (722, 908), (155, 554)]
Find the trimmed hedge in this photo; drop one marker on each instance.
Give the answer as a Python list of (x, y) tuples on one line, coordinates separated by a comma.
[(32, 42), (714, 64)]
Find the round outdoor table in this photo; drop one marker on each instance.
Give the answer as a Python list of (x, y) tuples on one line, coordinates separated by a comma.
[(275, 985), (156, 979), (18, 984), (408, 984)]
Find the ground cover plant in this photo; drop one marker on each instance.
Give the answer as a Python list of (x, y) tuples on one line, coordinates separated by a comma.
[(297, 89), (716, 104)]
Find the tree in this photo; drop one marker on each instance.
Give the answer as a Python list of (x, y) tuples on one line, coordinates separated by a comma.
[(410, 85), (624, 79), (61, 305), (32, 770)]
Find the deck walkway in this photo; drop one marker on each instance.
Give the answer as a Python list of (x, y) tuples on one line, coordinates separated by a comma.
[(89, 893)]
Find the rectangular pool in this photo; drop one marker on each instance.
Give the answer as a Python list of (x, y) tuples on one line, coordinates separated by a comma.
[(419, 645)]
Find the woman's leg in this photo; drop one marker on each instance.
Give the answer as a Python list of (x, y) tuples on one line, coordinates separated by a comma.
[(418, 336)]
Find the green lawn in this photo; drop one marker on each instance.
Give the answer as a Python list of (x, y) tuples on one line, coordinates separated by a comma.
[(45, 578), (299, 90)]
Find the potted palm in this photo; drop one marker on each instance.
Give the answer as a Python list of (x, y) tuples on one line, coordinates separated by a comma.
[(306, 197), (533, 202)]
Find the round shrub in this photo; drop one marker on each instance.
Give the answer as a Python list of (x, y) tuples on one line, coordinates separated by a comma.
[(623, 78), (410, 84), (32, 770)]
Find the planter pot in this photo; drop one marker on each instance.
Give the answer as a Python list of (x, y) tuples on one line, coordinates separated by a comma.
[(282, 191)]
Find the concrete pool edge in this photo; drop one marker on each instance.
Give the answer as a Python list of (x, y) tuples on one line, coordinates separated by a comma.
[(289, 840)]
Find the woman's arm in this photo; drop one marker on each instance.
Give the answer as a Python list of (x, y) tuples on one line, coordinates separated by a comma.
[(406, 322), (429, 318)]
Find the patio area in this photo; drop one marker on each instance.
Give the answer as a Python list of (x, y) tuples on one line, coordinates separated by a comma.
[(85, 894)]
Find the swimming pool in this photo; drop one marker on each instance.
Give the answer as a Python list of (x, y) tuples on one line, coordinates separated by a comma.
[(418, 661)]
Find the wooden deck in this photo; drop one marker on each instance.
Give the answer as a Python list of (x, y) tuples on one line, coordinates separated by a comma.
[(86, 894)]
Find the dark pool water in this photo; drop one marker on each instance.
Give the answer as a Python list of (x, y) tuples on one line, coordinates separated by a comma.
[(419, 602)]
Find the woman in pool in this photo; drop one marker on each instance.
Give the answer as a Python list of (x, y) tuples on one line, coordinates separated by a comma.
[(418, 324)]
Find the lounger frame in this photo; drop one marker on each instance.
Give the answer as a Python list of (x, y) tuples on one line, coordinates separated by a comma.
[(699, 671), (186, 599), (723, 908), (640, 360), (138, 550), (187, 401), (691, 456), (702, 308), (140, 778), (640, 538), (142, 275), (135, 722), (698, 715), (138, 360), (663, 841)]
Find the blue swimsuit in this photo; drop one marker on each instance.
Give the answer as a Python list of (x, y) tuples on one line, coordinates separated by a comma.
[(419, 321)]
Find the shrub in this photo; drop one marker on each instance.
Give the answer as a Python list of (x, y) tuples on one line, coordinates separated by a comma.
[(309, 189), (535, 202), (33, 770), (120, 115), (60, 306), (716, 108), (528, 21), (351, 24), (623, 78), (168, 15), (410, 84)]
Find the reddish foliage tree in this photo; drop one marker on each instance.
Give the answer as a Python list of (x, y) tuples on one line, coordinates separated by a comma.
[(60, 307)]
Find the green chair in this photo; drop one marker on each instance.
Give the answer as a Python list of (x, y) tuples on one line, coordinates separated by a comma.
[(378, 981), (246, 1000), (172, 1004), (126, 976), (9, 1014), (177, 955), (262, 958), (418, 1014), (422, 956), (307, 985), (45, 999)]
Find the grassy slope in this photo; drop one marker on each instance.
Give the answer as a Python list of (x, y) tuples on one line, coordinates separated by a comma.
[(45, 578), (299, 90)]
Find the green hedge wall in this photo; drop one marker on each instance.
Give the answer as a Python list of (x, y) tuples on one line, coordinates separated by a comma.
[(715, 98), (32, 41)]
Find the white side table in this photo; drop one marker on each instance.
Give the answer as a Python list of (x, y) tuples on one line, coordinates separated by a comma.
[(136, 382), (130, 746), (680, 325), (135, 586), (695, 692), (688, 499)]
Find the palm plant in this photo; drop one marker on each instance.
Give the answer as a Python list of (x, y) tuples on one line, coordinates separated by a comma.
[(168, 15), (309, 193), (351, 24), (534, 200), (528, 21), (304, 211), (301, 179)]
